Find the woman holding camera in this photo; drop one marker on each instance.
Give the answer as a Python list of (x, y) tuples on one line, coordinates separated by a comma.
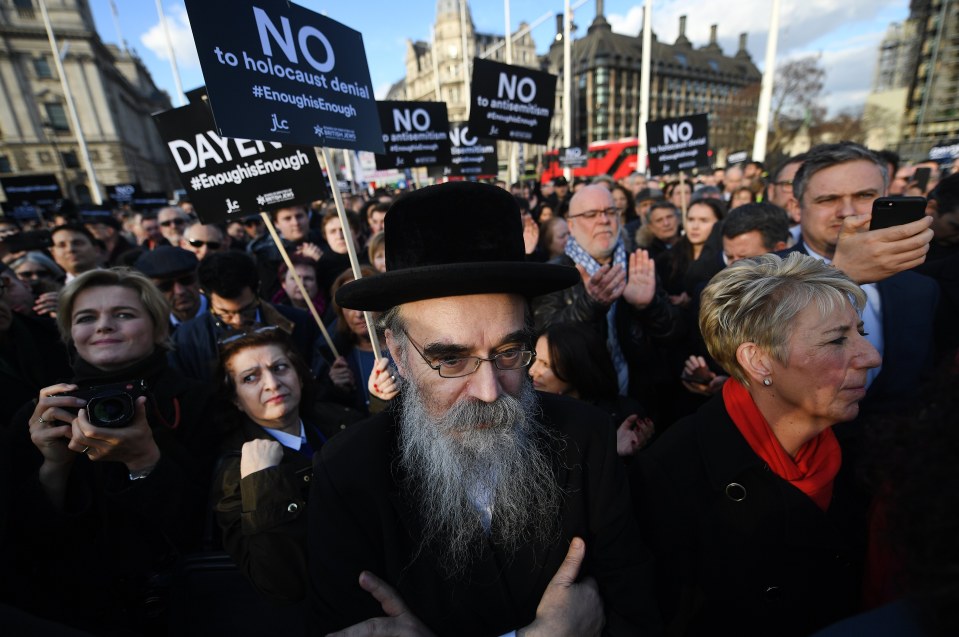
[(114, 485)]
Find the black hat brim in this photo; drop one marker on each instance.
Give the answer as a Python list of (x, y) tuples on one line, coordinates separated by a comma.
[(380, 292)]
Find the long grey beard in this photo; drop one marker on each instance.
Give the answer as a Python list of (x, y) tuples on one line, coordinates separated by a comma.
[(448, 461)]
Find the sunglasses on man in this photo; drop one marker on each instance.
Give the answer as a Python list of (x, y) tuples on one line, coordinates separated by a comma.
[(197, 243), (165, 285)]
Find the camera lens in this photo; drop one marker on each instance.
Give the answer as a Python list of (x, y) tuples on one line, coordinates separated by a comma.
[(110, 411)]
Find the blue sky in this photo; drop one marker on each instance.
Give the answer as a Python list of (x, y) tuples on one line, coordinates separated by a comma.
[(846, 34)]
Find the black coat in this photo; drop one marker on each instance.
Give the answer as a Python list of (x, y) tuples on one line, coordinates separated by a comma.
[(644, 335), (263, 516), (95, 562), (362, 519), (738, 550)]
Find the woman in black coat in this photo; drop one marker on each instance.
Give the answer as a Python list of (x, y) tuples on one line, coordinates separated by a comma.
[(263, 481), (748, 506), (109, 496)]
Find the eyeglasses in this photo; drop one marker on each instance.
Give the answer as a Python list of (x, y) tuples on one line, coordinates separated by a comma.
[(165, 285), (243, 333), (459, 366), (247, 311), (196, 243), (173, 222), (610, 213)]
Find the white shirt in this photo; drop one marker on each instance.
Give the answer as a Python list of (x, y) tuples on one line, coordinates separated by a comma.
[(289, 440)]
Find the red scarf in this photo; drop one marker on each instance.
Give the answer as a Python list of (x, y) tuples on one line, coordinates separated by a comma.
[(816, 464)]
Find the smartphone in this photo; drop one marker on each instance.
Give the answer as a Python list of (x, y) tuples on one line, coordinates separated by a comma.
[(921, 177), (895, 211), (699, 378)]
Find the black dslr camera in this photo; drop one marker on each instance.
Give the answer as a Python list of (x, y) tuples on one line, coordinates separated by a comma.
[(111, 406)]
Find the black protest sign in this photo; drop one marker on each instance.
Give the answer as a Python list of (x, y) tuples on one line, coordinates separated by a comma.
[(149, 200), (122, 194), (572, 157), (228, 177), (471, 156), (36, 190), (276, 71), (511, 102), (415, 134), (679, 143)]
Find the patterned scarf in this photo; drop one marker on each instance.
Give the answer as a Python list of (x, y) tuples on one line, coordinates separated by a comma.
[(580, 257)]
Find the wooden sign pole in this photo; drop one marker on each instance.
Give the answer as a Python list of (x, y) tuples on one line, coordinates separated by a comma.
[(350, 246), (298, 281)]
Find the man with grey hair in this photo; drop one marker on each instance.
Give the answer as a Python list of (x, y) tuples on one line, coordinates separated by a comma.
[(836, 187), (173, 221), (476, 494)]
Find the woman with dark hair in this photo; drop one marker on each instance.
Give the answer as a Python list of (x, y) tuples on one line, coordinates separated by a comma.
[(572, 360), (351, 379), (112, 490), (623, 202), (693, 246), (263, 482), (742, 196)]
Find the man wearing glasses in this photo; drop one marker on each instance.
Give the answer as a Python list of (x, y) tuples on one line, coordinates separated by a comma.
[(475, 499), (618, 295), (172, 222), (202, 239), (173, 271), (230, 282)]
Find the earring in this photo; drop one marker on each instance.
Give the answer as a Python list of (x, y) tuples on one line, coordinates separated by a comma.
[(767, 381)]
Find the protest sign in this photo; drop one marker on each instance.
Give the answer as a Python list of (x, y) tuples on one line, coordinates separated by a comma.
[(122, 194), (572, 157), (149, 200), (415, 134), (36, 190), (736, 157), (228, 177), (472, 156), (677, 144), (511, 102), (279, 72)]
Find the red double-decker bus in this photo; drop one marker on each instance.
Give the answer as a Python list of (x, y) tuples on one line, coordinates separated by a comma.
[(616, 158)]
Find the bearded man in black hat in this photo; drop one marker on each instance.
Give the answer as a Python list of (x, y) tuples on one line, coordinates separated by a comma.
[(473, 496)]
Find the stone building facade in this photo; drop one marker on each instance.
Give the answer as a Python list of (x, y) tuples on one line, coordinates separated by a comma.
[(113, 92)]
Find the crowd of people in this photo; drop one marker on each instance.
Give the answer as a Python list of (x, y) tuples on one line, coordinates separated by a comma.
[(696, 414)]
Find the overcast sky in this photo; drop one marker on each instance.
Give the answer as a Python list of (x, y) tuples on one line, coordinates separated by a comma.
[(846, 34)]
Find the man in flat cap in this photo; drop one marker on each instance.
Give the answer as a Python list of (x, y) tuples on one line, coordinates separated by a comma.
[(173, 271), (475, 506)]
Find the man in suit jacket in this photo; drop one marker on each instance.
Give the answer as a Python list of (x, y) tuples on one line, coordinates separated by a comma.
[(473, 497), (836, 187)]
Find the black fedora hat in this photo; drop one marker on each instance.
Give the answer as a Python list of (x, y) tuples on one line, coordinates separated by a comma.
[(454, 239)]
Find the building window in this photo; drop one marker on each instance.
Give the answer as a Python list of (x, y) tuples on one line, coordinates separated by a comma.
[(5, 166), (42, 67), (57, 116), (24, 8), (70, 159)]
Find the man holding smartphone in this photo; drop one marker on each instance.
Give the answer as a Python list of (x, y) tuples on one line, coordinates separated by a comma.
[(836, 187)]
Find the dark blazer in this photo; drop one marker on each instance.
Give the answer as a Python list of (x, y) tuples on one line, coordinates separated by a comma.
[(738, 550), (362, 518), (263, 516), (908, 312)]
